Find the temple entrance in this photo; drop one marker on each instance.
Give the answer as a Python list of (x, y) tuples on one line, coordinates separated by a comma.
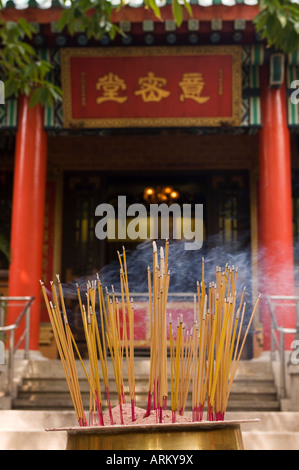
[(227, 234), (226, 213)]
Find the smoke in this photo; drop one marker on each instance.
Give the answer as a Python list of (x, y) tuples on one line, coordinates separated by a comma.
[(185, 268)]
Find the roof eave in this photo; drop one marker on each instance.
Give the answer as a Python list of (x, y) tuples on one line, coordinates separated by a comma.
[(139, 14)]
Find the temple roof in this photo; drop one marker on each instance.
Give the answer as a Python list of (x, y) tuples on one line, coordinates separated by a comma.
[(49, 11), (44, 4)]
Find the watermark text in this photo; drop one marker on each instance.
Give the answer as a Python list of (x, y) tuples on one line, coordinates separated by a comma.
[(2, 93), (294, 99), (136, 222)]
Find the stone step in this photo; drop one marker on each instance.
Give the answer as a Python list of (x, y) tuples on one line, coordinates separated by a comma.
[(254, 370), (25, 429), (50, 402), (266, 405), (60, 385), (53, 368), (65, 404), (62, 400)]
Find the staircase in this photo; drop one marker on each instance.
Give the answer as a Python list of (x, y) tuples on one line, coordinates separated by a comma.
[(44, 387), (254, 388), (43, 401)]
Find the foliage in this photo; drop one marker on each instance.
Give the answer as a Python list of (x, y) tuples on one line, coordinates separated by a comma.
[(278, 20), (177, 9), (22, 71), (91, 17), (25, 73), (278, 23)]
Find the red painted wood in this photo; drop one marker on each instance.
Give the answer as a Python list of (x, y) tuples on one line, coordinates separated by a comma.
[(28, 212)]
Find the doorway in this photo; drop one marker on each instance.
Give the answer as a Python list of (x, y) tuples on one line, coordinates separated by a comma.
[(225, 197), (226, 214)]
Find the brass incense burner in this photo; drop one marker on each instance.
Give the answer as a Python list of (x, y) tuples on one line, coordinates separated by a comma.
[(217, 435)]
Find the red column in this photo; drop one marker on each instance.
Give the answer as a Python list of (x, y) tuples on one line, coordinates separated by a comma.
[(276, 232), (28, 212)]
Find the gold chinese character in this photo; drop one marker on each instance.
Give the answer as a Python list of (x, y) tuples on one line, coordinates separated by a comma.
[(220, 82), (192, 85), (111, 85), (151, 88)]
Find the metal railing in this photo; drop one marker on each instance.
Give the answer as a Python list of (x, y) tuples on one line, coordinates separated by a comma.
[(26, 303), (278, 333)]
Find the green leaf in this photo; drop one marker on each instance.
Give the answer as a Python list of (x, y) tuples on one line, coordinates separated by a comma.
[(44, 95), (282, 18), (56, 93), (188, 7), (260, 20), (35, 98), (153, 5), (62, 22), (28, 29), (28, 49), (10, 88), (30, 70), (112, 33)]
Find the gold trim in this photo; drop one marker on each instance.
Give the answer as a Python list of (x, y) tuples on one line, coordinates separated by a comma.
[(234, 120)]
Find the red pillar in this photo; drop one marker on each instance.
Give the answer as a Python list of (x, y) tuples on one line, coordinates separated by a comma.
[(28, 212), (276, 231)]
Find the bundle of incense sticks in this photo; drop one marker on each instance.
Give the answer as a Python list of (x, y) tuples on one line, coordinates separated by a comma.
[(218, 342), (158, 285), (204, 359), (207, 356), (112, 314)]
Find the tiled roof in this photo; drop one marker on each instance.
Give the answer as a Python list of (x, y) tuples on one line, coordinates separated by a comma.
[(44, 4)]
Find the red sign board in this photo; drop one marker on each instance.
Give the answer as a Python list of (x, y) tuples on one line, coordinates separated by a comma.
[(151, 87)]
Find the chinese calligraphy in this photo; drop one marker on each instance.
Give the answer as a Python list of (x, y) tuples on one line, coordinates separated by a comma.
[(220, 82), (112, 86), (151, 88), (192, 85), (83, 89)]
